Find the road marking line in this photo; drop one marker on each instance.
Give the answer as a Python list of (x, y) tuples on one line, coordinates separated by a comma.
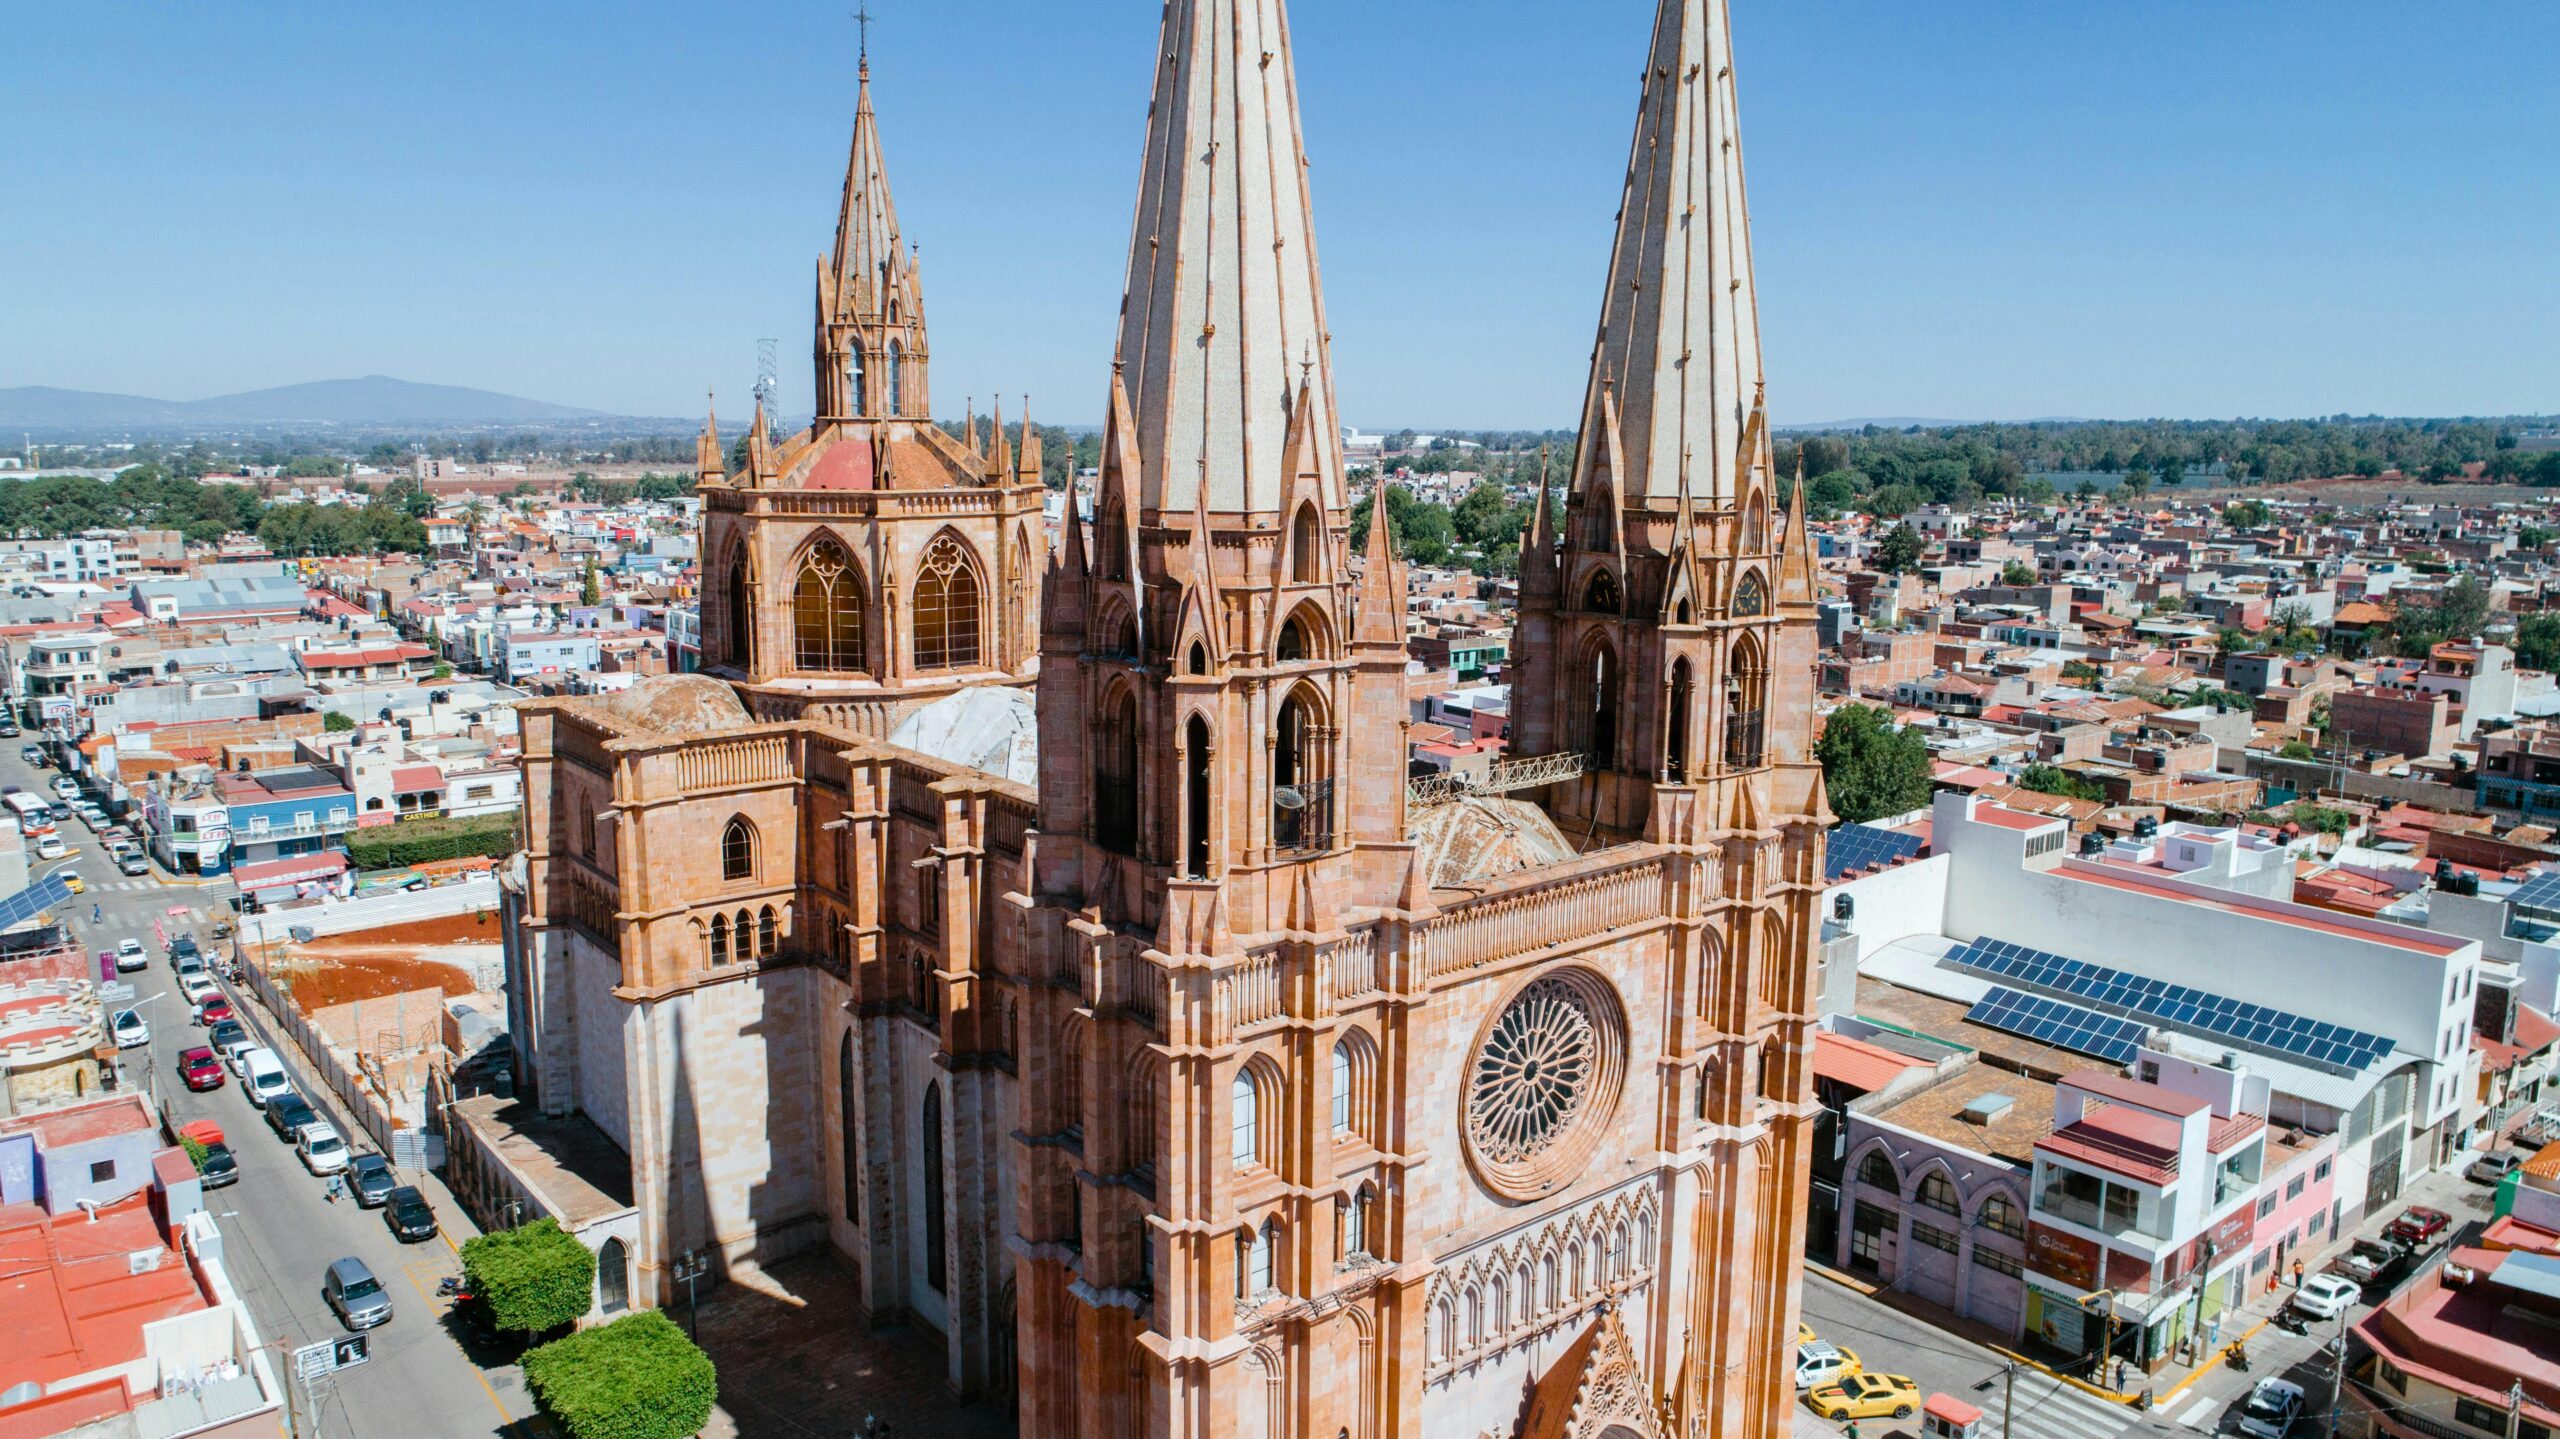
[(2197, 1411)]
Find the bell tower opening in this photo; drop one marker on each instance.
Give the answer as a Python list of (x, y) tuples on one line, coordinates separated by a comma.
[(1195, 798), (1675, 756)]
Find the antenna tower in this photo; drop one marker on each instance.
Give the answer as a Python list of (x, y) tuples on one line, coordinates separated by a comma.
[(769, 385)]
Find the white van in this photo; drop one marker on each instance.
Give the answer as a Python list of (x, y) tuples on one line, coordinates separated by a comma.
[(262, 1076)]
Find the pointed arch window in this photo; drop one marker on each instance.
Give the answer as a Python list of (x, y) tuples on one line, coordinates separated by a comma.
[(1675, 750), (1115, 775), (848, 1121), (719, 939), (1261, 1275), (738, 850), (827, 612), (1302, 786), (894, 379), (935, 1275), (1746, 687), (1876, 1172), (1245, 1122), (1195, 798), (741, 619), (854, 397), (1306, 541), (1598, 705), (947, 595)]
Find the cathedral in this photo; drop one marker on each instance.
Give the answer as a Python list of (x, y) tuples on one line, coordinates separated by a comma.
[(1047, 929)]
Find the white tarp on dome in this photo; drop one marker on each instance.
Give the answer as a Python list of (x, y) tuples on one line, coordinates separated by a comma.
[(990, 728)]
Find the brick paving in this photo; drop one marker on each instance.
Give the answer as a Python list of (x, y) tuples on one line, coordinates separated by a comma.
[(796, 1362)]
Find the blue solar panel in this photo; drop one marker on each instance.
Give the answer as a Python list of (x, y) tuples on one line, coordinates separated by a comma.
[(2257, 1026), (1855, 847), (2066, 1026), (27, 903), (2542, 891)]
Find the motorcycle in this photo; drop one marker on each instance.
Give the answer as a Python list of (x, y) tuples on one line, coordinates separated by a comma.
[(2238, 1354)]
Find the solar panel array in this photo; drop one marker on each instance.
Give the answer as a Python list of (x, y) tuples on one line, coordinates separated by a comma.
[(2068, 1026), (2542, 891), (2176, 1006), (27, 903), (1854, 847)]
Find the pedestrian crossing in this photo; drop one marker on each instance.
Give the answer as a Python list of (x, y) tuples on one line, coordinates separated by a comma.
[(122, 886), (2047, 1409)]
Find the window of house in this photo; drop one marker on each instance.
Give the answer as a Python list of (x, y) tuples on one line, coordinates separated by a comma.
[(1877, 1173), (1932, 1236), (2318, 1224), (2002, 1217), (102, 1171), (2320, 1170), (2266, 1206), (2293, 1190), (738, 850), (1938, 1194), (1997, 1261)]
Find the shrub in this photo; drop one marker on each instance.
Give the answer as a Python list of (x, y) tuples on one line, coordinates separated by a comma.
[(636, 1378), (423, 841), (336, 723), (533, 1278)]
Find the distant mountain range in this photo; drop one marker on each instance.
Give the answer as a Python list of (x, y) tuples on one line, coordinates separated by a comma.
[(371, 401)]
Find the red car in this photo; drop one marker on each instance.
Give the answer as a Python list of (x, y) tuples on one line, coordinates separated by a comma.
[(2416, 1225), (215, 1009), (200, 1069)]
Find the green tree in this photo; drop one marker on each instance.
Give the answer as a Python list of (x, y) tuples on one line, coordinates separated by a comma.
[(2055, 780), (636, 1378), (534, 1278), (336, 722), (2296, 749), (2017, 574), (1422, 530), (1894, 501), (1871, 766), (2246, 514), (2457, 614), (2082, 673), (2321, 819), (1900, 550), (2137, 483), (2538, 641), (591, 585)]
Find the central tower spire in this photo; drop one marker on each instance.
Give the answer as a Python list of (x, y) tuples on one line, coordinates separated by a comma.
[(870, 324), (1223, 302)]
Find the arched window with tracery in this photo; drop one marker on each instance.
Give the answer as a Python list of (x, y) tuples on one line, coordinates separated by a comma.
[(894, 368), (1301, 778), (1876, 1172), (827, 612), (1299, 638), (1306, 540), (768, 934), (1115, 774), (719, 939), (947, 605), (740, 621), (1746, 718), (738, 850)]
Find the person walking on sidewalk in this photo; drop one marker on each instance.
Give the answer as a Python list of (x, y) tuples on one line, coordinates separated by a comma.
[(2297, 1274)]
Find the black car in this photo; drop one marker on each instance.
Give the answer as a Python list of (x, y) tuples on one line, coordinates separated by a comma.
[(370, 1176), (225, 1035), (182, 949), (408, 1215), (219, 1167), (287, 1113)]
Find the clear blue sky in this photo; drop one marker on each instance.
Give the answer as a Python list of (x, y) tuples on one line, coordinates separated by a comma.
[(1964, 208)]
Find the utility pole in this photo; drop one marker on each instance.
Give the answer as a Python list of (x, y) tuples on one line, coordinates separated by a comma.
[(2515, 1408), (2008, 1399), (2337, 1373)]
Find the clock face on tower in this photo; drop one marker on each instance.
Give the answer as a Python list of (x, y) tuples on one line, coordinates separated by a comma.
[(1750, 598), (1543, 1081)]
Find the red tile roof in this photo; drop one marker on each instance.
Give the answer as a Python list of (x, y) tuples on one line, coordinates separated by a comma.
[(70, 1303), (1854, 1062)]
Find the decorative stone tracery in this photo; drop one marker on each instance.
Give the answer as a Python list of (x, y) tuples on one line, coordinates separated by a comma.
[(1543, 1081)]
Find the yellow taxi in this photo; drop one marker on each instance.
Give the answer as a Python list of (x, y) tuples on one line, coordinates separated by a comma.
[(1804, 1332), (75, 884), (1867, 1396)]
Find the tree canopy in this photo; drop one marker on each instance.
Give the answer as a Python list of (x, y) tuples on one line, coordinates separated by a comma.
[(636, 1378), (534, 1278), (1871, 766)]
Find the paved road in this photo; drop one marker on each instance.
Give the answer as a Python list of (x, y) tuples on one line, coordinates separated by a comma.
[(279, 1230)]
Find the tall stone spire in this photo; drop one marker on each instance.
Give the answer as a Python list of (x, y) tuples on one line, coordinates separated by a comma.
[(1680, 322), (1223, 296), (870, 347)]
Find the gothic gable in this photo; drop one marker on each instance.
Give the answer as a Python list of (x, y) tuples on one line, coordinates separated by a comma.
[(1594, 1390)]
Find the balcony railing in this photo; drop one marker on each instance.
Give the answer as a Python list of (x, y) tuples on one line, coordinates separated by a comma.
[(256, 832)]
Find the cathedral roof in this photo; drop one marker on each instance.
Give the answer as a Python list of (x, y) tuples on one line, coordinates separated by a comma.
[(1481, 837), (867, 260), (1224, 311), (679, 705), (989, 728), (1680, 322)]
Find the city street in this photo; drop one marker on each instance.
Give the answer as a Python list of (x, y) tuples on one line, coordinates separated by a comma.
[(280, 1231)]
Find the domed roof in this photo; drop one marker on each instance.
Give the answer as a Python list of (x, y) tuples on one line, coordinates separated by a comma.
[(680, 704), (991, 728), (1480, 837)]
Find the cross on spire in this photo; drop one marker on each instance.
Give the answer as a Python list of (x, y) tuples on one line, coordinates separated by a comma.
[(862, 17)]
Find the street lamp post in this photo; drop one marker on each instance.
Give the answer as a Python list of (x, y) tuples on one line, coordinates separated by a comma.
[(691, 1266)]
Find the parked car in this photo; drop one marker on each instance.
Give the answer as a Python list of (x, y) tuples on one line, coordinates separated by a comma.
[(287, 1113), (30, 754), (230, 1039), (1867, 1396), (2417, 1224), (1822, 1362), (323, 1152), (51, 847), (356, 1295), (2493, 1168), (2271, 1410), (2326, 1296), (262, 1075), (199, 1068), (182, 949), (133, 862), (202, 1131), (130, 956), (198, 986), (218, 1167), (130, 1029), (215, 1009), (72, 881), (408, 1214), (370, 1176), (2370, 1260), (65, 786)]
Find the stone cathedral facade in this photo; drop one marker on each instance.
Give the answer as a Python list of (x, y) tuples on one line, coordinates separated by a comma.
[(1204, 1079)]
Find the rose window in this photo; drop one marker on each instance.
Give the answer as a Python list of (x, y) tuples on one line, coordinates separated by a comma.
[(1543, 1081)]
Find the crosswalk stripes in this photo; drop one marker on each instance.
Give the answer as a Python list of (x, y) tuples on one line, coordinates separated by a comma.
[(2050, 1409)]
